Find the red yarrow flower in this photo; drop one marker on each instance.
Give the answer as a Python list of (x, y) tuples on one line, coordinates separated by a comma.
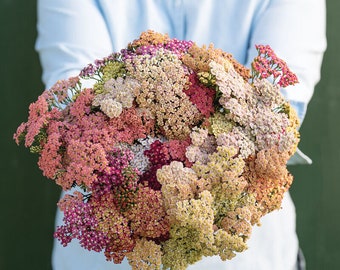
[(267, 64)]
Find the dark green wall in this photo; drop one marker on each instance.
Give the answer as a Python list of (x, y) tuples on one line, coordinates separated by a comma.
[(316, 190), (27, 200)]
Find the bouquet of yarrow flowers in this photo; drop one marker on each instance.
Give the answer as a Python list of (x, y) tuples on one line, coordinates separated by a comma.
[(177, 150)]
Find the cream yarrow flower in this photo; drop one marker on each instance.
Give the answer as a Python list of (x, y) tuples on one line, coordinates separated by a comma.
[(117, 94)]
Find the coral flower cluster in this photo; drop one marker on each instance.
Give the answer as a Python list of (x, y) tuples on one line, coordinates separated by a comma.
[(177, 150)]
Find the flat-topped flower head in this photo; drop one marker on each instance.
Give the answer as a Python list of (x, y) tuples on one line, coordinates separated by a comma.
[(268, 64)]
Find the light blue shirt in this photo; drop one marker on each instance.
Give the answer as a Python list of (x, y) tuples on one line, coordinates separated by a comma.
[(73, 33)]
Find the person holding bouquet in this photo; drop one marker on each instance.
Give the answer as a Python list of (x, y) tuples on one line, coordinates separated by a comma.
[(72, 34)]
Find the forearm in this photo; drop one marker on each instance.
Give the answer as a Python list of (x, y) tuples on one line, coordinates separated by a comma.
[(296, 31), (71, 34)]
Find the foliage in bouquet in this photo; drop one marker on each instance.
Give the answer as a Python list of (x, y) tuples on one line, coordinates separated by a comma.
[(177, 150)]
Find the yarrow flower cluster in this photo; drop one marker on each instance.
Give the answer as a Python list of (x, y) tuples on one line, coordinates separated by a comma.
[(267, 64), (179, 150)]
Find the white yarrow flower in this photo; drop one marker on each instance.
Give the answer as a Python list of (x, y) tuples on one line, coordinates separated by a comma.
[(111, 107)]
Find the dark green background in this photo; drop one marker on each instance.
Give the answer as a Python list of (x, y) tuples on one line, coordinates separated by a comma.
[(27, 200)]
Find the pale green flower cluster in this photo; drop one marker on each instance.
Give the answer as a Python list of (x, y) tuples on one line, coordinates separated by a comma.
[(201, 202)]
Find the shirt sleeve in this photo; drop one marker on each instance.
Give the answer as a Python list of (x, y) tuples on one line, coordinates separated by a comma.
[(296, 30), (71, 34)]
